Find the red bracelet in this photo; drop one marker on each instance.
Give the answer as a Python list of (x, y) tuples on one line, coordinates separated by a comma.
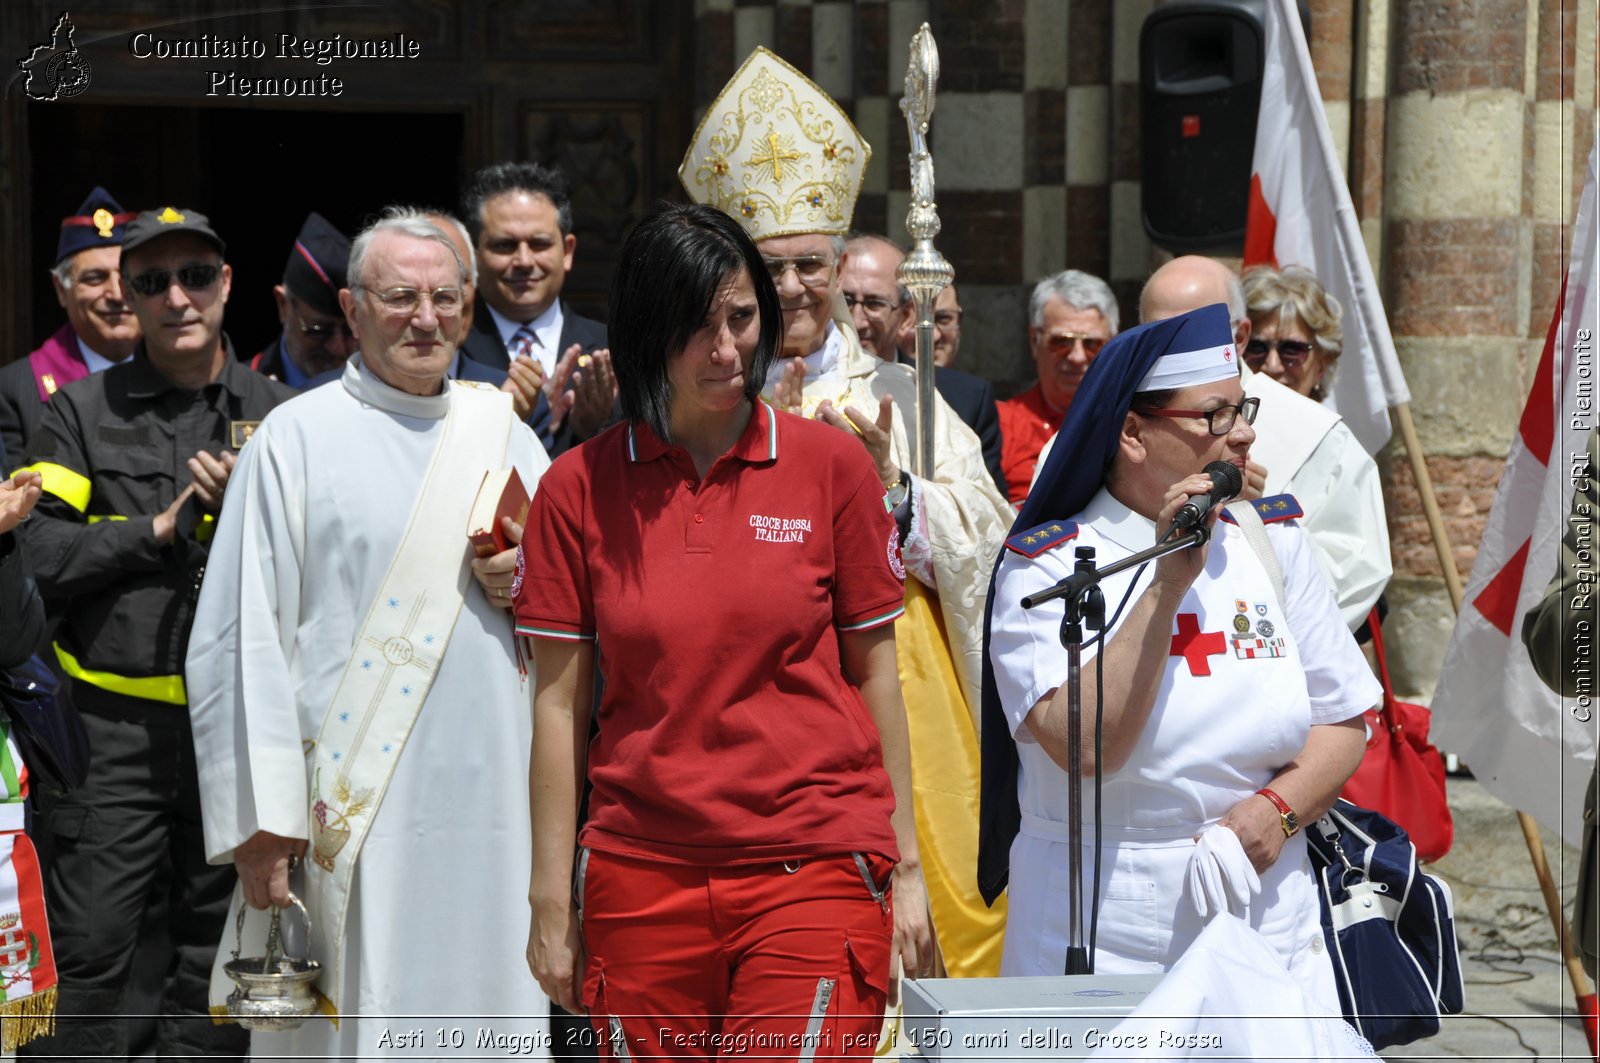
[(1287, 819)]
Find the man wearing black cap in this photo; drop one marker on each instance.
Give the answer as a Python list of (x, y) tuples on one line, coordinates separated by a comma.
[(100, 330), (315, 337), (135, 462)]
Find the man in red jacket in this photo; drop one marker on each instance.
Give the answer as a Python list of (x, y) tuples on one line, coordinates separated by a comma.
[(1070, 317)]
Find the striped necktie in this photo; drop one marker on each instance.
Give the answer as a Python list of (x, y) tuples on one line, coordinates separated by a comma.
[(523, 342)]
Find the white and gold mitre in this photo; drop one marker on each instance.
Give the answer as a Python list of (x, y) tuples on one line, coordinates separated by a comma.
[(776, 153)]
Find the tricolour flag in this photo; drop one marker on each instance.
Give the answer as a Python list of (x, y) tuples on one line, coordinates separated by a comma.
[(1527, 745), (1301, 215)]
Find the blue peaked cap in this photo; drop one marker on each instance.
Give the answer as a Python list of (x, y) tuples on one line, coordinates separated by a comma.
[(1073, 473), (99, 222)]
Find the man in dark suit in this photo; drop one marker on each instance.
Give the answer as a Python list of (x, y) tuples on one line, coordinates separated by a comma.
[(520, 216), (882, 311)]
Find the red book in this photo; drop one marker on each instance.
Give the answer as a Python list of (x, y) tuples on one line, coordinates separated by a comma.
[(502, 494)]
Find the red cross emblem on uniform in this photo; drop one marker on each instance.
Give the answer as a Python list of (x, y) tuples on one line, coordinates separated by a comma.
[(1194, 645)]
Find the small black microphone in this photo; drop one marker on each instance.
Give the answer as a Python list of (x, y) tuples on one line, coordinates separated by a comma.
[(1226, 483)]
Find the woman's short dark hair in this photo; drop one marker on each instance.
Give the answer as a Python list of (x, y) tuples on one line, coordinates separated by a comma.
[(670, 269)]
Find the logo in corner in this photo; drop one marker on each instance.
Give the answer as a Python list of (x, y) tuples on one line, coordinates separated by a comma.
[(55, 70), (896, 565)]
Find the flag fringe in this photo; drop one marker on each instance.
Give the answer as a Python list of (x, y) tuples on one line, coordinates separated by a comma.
[(24, 1020)]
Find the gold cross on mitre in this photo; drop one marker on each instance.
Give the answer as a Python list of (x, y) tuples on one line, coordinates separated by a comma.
[(776, 154), (775, 158)]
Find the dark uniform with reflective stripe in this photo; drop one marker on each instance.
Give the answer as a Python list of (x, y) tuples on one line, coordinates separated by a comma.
[(113, 449)]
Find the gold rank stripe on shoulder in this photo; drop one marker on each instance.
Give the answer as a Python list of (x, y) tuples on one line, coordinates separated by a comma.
[(1278, 507), (1273, 508), (1046, 536)]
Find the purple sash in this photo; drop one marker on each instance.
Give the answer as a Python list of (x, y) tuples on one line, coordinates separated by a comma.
[(57, 363)]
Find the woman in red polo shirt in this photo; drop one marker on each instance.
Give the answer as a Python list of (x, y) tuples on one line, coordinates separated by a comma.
[(738, 574)]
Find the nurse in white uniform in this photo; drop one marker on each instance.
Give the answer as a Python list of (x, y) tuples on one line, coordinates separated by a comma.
[(1231, 713)]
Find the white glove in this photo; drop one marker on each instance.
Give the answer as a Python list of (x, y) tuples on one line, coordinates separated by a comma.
[(1221, 877)]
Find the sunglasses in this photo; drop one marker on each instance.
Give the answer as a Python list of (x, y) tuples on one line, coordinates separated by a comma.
[(325, 332), (1064, 342), (1292, 353), (194, 277)]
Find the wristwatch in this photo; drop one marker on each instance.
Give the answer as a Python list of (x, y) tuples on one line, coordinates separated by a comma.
[(897, 491), (1287, 819)]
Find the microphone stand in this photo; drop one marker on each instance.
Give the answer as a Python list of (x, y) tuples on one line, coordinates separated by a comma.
[(1086, 605)]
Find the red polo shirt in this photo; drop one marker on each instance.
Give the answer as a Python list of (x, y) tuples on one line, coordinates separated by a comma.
[(728, 732), (1026, 423)]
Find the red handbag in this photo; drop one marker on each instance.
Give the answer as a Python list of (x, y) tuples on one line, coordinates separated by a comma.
[(1402, 775)]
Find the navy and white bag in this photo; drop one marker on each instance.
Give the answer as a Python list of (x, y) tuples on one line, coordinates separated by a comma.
[(1389, 927)]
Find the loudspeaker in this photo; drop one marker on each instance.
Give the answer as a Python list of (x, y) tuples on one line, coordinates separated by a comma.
[(1200, 67)]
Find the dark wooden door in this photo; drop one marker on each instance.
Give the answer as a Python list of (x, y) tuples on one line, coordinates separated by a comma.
[(603, 88)]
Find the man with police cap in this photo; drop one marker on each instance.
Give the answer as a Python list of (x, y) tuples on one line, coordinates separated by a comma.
[(315, 337), (780, 157), (135, 462), (100, 330)]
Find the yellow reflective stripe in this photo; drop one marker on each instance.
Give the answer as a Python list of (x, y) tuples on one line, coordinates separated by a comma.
[(65, 484), (167, 688), (202, 532)]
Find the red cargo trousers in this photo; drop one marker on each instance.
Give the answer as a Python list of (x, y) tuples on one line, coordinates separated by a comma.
[(782, 961)]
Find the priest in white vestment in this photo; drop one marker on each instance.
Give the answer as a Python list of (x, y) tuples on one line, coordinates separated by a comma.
[(322, 527)]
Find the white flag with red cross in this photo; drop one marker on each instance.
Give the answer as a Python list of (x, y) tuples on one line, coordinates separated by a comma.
[(1528, 746), (1301, 215)]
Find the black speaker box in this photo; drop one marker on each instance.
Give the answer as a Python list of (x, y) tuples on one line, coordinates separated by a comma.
[(1200, 68)]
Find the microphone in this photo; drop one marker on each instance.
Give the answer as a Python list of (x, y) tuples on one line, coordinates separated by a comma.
[(1226, 483)]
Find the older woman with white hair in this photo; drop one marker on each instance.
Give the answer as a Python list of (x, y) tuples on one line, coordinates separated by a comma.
[(1295, 335)]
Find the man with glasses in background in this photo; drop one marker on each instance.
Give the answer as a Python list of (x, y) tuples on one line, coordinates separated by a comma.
[(315, 337), (946, 330), (135, 462), (884, 313), (1071, 315)]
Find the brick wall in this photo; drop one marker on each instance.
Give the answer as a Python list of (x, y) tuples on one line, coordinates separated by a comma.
[(1483, 132), (1465, 126)]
